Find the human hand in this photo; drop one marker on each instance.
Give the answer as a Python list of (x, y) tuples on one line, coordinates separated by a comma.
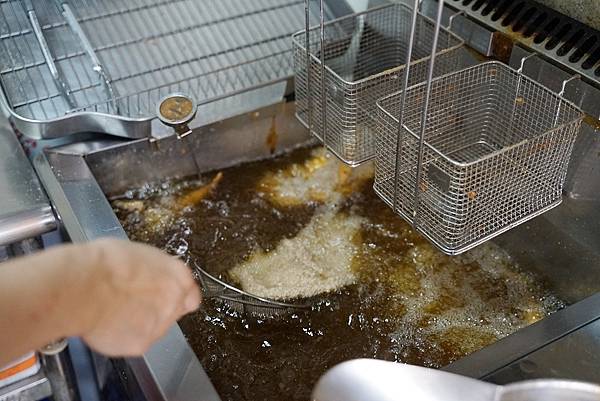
[(137, 293), (118, 295)]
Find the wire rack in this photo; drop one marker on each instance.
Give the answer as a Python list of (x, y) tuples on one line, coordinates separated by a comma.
[(364, 56), (121, 56), (496, 151)]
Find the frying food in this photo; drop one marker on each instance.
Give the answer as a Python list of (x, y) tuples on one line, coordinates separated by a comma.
[(196, 196), (279, 228), (321, 178), (161, 216), (316, 261)]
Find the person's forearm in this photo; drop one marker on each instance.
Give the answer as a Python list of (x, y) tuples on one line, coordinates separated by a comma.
[(118, 296), (41, 300)]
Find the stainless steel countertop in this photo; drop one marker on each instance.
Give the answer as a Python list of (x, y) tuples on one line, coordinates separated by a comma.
[(25, 210)]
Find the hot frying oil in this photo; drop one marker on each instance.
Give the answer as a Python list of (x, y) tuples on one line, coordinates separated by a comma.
[(408, 302)]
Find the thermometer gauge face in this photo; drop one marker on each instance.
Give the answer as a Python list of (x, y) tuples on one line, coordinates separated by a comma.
[(176, 109)]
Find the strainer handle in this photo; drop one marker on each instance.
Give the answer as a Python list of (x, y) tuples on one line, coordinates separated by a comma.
[(561, 94), (308, 62), (518, 89), (436, 34), (323, 86), (322, 67)]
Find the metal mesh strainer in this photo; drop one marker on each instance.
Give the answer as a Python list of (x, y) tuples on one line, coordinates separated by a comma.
[(241, 301)]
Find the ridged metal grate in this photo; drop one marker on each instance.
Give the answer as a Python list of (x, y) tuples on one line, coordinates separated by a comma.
[(121, 57), (548, 32)]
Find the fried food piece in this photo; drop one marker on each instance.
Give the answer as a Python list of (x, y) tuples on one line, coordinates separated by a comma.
[(156, 220), (344, 174), (158, 217), (316, 261), (197, 195), (319, 179), (351, 180), (129, 205)]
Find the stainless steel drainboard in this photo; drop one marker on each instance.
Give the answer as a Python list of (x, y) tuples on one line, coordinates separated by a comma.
[(119, 57)]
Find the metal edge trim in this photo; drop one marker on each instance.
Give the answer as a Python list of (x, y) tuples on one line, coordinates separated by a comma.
[(66, 215), (33, 387)]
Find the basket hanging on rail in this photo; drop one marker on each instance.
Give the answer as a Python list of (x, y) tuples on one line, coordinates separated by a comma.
[(496, 149), (365, 55)]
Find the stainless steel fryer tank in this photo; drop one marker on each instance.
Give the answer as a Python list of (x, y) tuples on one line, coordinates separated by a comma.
[(560, 247)]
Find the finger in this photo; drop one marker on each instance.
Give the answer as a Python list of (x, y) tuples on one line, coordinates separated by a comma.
[(179, 300), (183, 274), (174, 266), (189, 301), (167, 321), (192, 300)]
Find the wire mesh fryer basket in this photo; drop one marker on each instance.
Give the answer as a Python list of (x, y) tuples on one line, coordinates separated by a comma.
[(365, 54), (496, 150)]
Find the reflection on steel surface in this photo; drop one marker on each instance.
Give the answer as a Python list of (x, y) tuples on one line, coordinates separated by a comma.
[(25, 210)]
